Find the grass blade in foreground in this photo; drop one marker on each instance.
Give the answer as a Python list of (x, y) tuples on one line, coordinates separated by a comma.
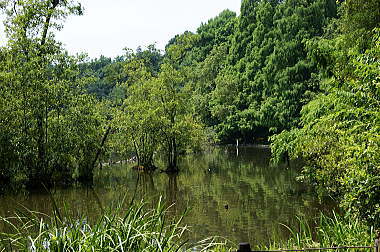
[(134, 229)]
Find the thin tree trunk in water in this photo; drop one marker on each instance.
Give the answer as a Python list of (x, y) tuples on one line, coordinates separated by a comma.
[(287, 159), (174, 153), (46, 135), (40, 144), (100, 148), (169, 153), (172, 156), (137, 151)]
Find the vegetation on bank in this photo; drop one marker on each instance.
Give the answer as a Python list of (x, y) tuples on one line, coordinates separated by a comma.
[(50, 128), (339, 131), (328, 231), (138, 228), (132, 228)]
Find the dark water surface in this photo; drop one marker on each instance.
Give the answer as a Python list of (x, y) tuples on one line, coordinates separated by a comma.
[(235, 195)]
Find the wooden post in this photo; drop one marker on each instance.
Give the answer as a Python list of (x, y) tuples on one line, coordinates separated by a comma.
[(244, 247), (237, 147), (377, 244)]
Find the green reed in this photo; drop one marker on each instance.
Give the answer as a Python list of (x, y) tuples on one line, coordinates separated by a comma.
[(327, 231), (132, 228), (139, 228)]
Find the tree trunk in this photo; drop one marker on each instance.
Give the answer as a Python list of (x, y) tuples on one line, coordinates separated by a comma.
[(172, 156), (39, 173), (41, 149), (88, 175)]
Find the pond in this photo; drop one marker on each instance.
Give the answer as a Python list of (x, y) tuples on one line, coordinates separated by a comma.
[(231, 193)]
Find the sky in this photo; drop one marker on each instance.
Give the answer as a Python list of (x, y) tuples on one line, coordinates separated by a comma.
[(109, 26)]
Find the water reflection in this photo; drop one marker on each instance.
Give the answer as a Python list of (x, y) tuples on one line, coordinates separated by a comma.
[(172, 190), (240, 197), (144, 185)]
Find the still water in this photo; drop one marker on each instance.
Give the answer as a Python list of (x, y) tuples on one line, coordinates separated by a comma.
[(236, 195)]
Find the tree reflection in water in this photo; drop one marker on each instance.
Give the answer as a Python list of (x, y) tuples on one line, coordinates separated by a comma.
[(259, 196)]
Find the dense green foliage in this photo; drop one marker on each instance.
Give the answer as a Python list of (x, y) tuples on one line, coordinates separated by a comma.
[(339, 130), (49, 127), (254, 80), (106, 74), (155, 115)]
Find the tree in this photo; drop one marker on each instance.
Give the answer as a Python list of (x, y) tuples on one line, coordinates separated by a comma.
[(179, 128), (339, 132), (52, 127), (250, 75), (155, 115), (137, 119), (215, 32)]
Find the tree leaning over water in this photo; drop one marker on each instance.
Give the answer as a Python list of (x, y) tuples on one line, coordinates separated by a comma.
[(50, 129)]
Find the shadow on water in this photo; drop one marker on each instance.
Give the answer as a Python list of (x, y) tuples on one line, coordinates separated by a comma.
[(239, 196)]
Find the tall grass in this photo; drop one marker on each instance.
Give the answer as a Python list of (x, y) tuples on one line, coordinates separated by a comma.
[(133, 229), (327, 231), (137, 228)]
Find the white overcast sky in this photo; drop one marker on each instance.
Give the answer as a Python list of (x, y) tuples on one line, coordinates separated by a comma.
[(108, 26)]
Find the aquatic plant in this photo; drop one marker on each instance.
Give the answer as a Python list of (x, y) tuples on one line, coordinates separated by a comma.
[(134, 228), (327, 231)]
